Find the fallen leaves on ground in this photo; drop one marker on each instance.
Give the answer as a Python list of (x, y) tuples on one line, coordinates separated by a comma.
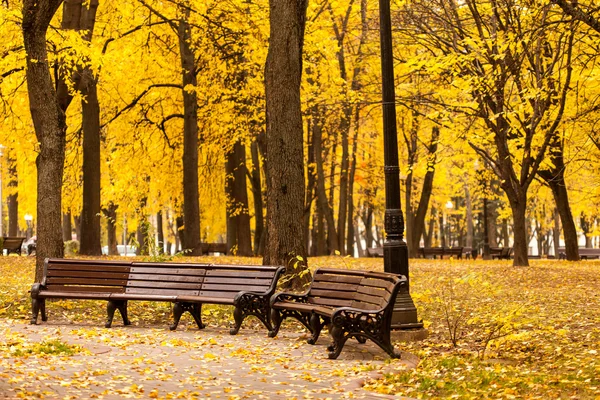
[(495, 332)]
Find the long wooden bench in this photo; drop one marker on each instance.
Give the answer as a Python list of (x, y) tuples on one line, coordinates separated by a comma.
[(434, 252), (355, 304), (188, 286), (211, 248), (12, 245)]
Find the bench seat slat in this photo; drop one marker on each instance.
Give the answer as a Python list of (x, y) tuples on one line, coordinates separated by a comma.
[(365, 298), (239, 280), (88, 274), (330, 293), (167, 271), (240, 273), (207, 299), (290, 305), (330, 302), (89, 267), (342, 287), (162, 285), (84, 289), (233, 288), (337, 278), (79, 281), (167, 292), (74, 295), (373, 291), (144, 296), (166, 278)]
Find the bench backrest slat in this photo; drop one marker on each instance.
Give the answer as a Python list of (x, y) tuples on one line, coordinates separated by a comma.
[(350, 288), (12, 243), (86, 276)]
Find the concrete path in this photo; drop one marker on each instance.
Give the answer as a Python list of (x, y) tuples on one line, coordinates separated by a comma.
[(135, 362)]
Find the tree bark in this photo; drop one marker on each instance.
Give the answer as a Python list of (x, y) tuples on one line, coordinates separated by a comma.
[(67, 228), (232, 234), (469, 216), (111, 229), (90, 212), (556, 233), (555, 178), (322, 202), (259, 221), (285, 169), (191, 203), (418, 220), (244, 237), (50, 128), (160, 233)]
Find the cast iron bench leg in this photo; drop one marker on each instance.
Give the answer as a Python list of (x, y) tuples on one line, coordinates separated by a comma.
[(251, 305), (35, 310), (276, 321), (315, 326), (43, 310), (193, 308), (114, 305)]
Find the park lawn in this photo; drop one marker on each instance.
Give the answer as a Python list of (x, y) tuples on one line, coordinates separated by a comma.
[(495, 331)]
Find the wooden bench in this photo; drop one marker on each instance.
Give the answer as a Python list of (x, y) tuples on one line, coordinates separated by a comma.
[(584, 253), (12, 245), (434, 252), (501, 253), (374, 251), (188, 286), (353, 303), (211, 248)]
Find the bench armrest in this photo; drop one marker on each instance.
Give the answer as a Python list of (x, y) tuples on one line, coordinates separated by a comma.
[(286, 296), (248, 294), (35, 290)]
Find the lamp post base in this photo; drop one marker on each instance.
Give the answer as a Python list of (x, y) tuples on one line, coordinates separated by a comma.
[(405, 313)]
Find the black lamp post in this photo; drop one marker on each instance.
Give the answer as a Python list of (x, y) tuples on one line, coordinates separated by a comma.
[(395, 251)]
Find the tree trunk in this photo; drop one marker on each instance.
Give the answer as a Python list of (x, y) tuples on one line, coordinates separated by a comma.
[(244, 237), (90, 212), (180, 233), (77, 223), (310, 187), (518, 207), (142, 237), (231, 207), (285, 169), (13, 197), (469, 216), (321, 236), (350, 237), (67, 228), (191, 204), (111, 229), (505, 238), (369, 227), (258, 201), (556, 234), (160, 232), (322, 203), (50, 128), (555, 178), (418, 220)]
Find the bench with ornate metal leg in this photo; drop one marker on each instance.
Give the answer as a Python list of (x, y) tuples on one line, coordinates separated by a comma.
[(247, 287), (355, 304)]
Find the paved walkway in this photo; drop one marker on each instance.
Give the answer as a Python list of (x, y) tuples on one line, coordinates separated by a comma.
[(136, 362)]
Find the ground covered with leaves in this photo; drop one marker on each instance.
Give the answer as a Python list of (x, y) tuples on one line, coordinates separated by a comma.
[(495, 331)]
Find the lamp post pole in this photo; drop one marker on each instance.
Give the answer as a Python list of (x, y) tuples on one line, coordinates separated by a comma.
[(395, 251)]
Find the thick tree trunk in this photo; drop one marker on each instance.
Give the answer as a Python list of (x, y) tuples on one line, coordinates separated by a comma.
[(160, 233), (90, 212), (142, 237), (244, 237), (505, 238), (191, 204), (285, 169), (13, 197), (518, 207), (77, 223), (180, 233), (258, 201), (50, 129), (111, 229), (67, 228), (322, 203)]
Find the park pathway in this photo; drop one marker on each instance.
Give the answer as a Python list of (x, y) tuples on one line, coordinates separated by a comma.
[(136, 362)]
